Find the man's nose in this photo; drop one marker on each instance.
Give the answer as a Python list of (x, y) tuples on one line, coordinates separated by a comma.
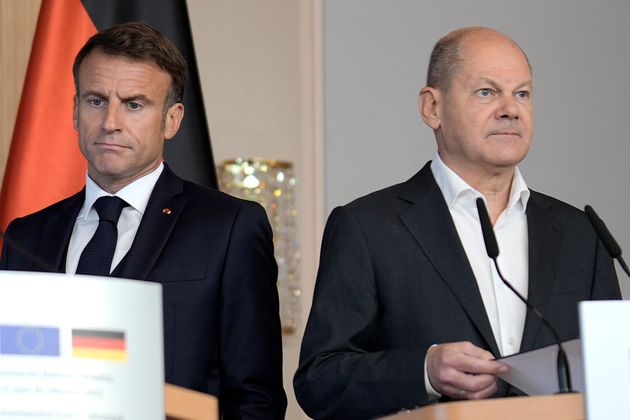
[(112, 120), (509, 108)]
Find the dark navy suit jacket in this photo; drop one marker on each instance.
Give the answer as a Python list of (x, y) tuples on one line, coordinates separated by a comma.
[(394, 279), (213, 255)]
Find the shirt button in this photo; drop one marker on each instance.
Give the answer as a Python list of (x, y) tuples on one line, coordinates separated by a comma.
[(511, 341)]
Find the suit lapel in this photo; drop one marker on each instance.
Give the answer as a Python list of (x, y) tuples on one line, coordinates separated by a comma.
[(57, 231), (163, 209), (430, 222), (544, 235)]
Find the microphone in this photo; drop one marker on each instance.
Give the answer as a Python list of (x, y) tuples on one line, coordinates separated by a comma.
[(490, 241), (43, 265), (606, 237)]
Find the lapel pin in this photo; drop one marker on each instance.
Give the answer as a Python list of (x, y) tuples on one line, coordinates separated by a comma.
[(166, 211)]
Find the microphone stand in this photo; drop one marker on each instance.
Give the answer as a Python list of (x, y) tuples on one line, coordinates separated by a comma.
[(606, 237), (492, 248), (562, 364)]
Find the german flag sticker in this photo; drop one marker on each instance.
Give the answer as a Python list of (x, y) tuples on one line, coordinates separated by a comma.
[(104, 345)]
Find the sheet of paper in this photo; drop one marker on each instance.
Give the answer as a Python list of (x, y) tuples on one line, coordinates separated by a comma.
[(535, 373)]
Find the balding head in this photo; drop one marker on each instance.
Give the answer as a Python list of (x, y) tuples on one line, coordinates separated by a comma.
[(449, 53)]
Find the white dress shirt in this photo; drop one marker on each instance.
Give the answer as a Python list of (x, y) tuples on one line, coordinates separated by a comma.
[(505, 311), (135, 194)]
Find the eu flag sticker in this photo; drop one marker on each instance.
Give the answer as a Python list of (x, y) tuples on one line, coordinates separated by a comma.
[(29, 340)]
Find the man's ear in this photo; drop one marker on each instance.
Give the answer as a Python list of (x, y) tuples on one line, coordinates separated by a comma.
[(75, 113), (428, 102), (173, 120)]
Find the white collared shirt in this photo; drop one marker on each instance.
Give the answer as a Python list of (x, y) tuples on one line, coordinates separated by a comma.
[(135, 194), (505, 311)]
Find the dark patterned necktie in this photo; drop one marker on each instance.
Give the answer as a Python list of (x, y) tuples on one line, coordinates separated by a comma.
[(96, 258)]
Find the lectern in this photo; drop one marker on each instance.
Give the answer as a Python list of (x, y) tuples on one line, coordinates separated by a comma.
[(185, 404), (547, 407), (87, 347)]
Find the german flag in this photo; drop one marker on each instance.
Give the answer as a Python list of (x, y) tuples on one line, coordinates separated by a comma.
[(105, 345)]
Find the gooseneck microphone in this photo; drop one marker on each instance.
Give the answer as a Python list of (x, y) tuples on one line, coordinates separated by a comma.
[(606, 237), (41, 264), (562, 365)]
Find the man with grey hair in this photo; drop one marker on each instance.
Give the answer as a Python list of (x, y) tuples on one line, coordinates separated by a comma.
[(407, 307)]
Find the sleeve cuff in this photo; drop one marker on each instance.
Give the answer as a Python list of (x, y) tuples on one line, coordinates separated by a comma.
[(432, 394)]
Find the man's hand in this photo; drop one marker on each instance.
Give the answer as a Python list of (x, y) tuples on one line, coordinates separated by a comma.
[(463, 370)]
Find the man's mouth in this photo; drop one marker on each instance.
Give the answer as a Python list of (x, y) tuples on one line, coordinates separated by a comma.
[(505, 133), (109, 146)]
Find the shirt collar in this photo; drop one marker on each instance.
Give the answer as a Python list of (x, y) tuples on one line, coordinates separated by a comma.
[(135, 194), (519, 194), (457, 191)]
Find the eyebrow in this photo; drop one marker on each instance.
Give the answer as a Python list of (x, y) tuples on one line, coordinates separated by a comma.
[(130, 98), (91, 93), (496, 86), (142, 98)]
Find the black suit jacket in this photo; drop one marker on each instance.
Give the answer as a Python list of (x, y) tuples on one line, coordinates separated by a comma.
[(394, 279), (213, 255)]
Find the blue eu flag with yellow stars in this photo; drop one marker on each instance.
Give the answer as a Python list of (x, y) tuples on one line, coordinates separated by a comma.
[(29, 340)]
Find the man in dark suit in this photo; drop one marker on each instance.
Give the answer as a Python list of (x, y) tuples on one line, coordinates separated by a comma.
[(212, 253), (407, 307)]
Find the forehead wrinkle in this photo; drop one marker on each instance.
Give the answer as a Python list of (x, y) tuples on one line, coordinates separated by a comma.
[(109, 80), (124, 90), (480, 40), (123, 98), (118, 71), (496, 84)]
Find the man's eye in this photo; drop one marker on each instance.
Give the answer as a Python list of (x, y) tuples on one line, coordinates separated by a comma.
[(523, 94), (484, 93), (97, 102), (134, 105)]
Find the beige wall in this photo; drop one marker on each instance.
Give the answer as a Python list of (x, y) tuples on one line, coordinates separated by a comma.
[(259, 66), (249, 63), (259, 63), (17, 26)]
